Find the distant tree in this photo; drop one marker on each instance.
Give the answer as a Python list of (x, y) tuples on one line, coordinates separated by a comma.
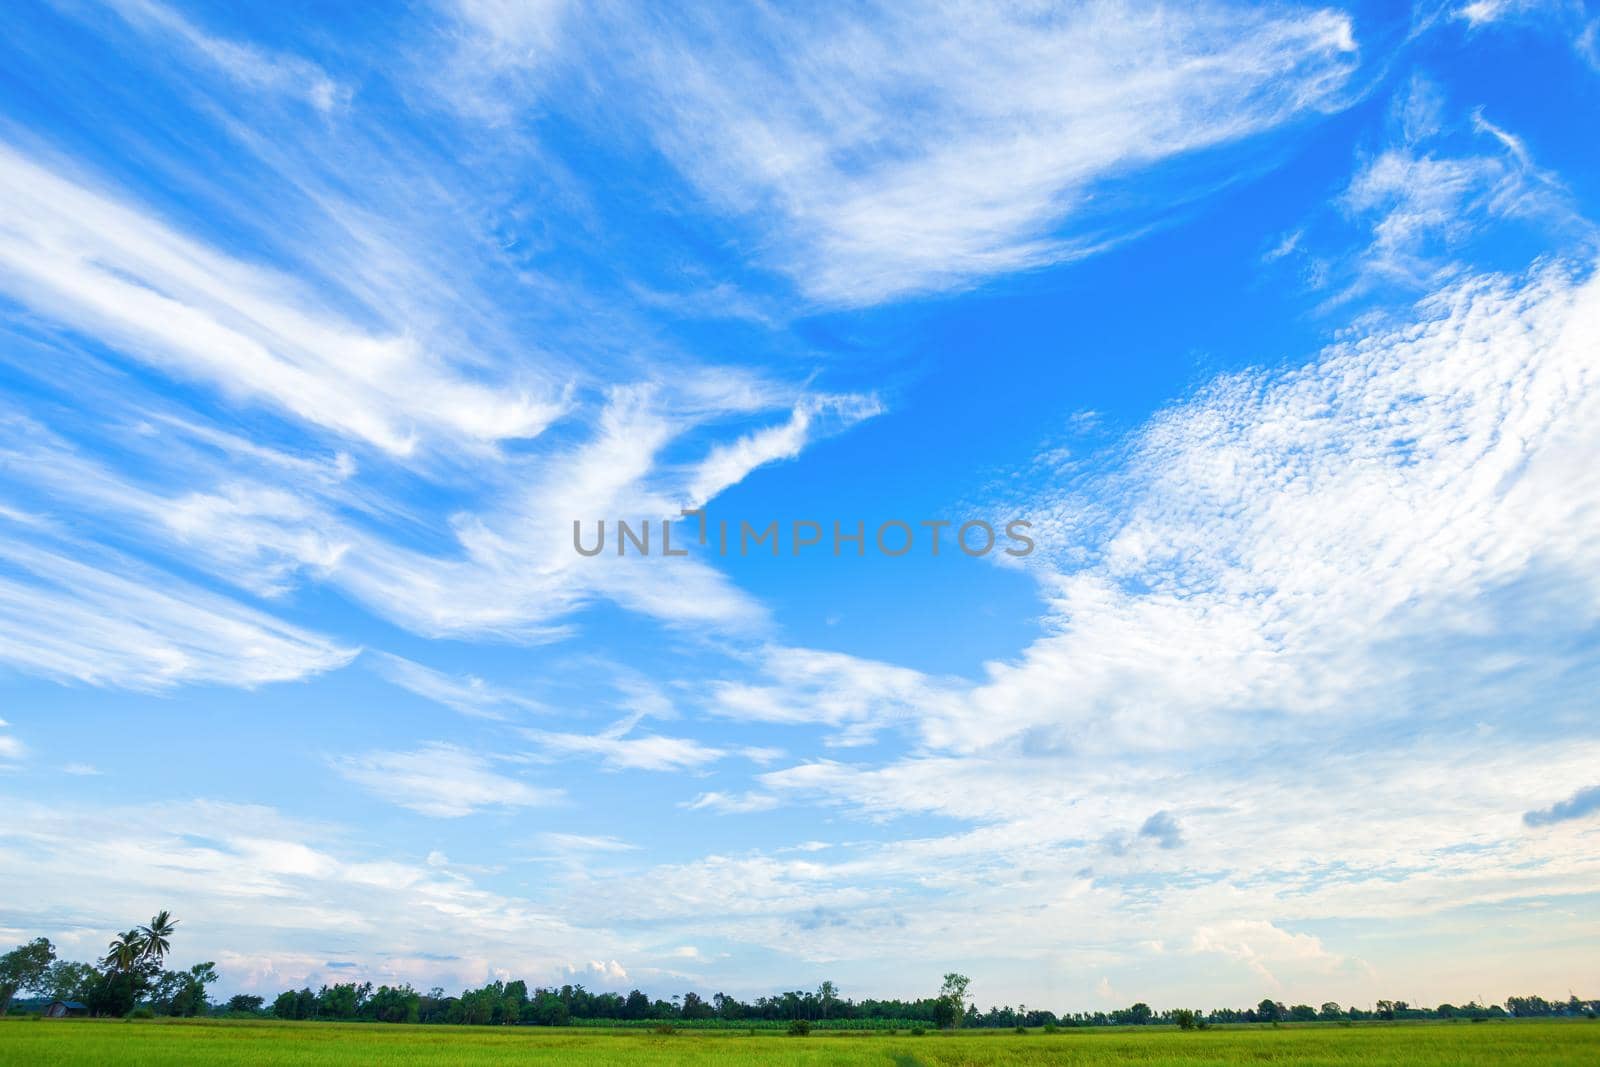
[(191, 999), (1270, 1011), (637, 1006), (515, 1001), (1526, 1007), (342, 1001), (395, 1004), (114, 992), (694, 1007), (550, 1010), (1330, 1011), (296, 1004), (1140, 1014), (69, 980), (155, 938), (728, 1007), (951, 1006), (1302, 1013), (24, 968), (124, 951), (827, 993), (245, 1002)]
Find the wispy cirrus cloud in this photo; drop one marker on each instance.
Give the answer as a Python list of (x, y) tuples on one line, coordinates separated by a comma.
[(732, 803), (728, 464), (441, 780), (111, 269), (254, 69), (896, 153), (1338, 561), (467, 694), (103, 619), (618, 748), (1422, 205)]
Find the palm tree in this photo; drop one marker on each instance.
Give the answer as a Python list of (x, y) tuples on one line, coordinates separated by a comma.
[(123, 951), (155, 937)]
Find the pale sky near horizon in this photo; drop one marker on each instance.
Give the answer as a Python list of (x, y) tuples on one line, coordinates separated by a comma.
[(1279, 324)]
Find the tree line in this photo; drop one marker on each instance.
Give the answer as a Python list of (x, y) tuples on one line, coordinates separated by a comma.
[(131, 979)]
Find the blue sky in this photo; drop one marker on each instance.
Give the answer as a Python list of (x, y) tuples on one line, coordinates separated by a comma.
[(318, 330)]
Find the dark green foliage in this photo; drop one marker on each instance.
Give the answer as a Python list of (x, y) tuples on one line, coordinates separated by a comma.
[(24, 969), (550, 1010), (395, 1004), (114, 993)]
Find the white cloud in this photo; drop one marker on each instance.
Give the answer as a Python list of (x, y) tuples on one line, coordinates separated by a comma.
[(1299, 586), (1262, 946), (441, 780), (856, 697), (267, 527), (732, 803), (896, 152), (1483, 12), (609, 971), (253, 69), (11, 748), (583, 843), (266, 895), (649, 752), (1279, 540), (252, 533), (517, 573), (115, 622), (470, 695), (82, 770), (728, 464), (1421, 205), (110, 269)]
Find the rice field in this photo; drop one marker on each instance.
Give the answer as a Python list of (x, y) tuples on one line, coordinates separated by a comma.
[(25, 1042)]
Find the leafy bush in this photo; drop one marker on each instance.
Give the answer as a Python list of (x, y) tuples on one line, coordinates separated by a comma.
[(917, 1031), (800, 1028), (664, 1029), (141, 1012)]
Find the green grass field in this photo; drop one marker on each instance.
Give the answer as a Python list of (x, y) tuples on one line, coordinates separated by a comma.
[(211, 1042)]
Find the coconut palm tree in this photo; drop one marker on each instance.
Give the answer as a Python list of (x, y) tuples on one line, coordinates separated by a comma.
[(123, 951), (155, 937)]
